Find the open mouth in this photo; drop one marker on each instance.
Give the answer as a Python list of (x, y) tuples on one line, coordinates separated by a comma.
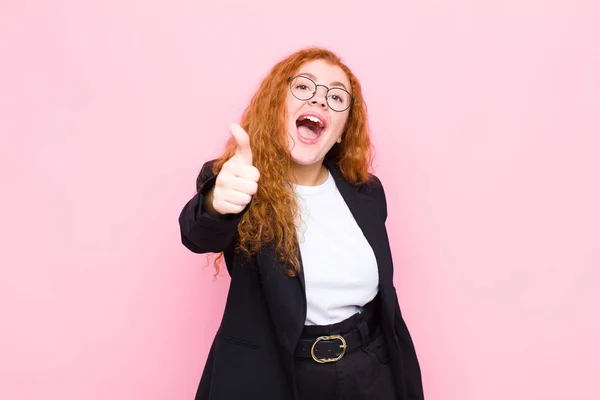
[(310, 127)]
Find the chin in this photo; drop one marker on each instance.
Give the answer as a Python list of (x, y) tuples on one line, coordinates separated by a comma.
[(306, 161)]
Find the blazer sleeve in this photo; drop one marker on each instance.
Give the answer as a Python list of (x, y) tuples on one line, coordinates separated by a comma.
[(412, 369), (200, 231)]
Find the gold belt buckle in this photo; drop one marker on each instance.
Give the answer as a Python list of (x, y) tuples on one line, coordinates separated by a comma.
[(343, 346)]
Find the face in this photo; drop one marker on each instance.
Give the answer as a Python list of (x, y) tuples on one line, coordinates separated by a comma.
[(313, 126)]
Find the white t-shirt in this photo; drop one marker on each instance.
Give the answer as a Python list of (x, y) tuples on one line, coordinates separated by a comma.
[(340, 268)]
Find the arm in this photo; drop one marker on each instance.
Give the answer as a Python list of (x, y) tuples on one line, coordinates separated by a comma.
[(412, 369), (203, 230)]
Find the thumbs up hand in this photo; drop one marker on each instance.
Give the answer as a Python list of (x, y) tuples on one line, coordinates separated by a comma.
[(237, 181)]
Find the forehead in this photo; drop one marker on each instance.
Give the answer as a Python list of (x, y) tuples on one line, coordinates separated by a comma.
[(324, 73)]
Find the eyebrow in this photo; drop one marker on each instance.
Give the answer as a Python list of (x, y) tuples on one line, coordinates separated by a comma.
[(314, 78)]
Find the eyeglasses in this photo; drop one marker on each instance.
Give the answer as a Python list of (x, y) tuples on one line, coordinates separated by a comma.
[(304, 88)]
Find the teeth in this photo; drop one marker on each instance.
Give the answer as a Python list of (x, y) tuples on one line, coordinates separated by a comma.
[(313, 119)]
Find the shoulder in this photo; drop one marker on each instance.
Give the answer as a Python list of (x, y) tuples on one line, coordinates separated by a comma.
[(374, 189), (373, 186)]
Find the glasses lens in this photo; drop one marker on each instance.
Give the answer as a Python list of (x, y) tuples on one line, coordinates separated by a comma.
[(302, 88), (338, 99)]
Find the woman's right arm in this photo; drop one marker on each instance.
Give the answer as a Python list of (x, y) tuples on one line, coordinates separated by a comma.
[(203, 230), (210, 219)]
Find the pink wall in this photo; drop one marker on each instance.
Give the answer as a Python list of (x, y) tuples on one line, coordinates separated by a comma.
[(486, 120)]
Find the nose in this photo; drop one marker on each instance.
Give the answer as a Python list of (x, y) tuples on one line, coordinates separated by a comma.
[(319, 99)]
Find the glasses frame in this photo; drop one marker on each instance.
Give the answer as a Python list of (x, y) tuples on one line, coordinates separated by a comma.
[(292, 78)]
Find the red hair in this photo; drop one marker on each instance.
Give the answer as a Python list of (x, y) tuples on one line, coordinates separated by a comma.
[(271, 217)]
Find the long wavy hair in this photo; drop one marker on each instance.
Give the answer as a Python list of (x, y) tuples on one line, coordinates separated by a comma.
[(271, 216)]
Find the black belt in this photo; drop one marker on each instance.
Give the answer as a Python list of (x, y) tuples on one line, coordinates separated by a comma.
[(331, 348)]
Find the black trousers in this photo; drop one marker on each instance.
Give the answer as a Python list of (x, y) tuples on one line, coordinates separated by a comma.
[(364, 373)]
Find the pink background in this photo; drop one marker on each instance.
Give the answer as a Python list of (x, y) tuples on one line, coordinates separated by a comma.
[(486, 119)]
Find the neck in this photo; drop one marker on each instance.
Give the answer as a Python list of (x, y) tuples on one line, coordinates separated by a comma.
[(309, 175)]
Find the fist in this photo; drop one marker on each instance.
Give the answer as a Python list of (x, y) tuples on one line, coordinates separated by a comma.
[(237, 181)]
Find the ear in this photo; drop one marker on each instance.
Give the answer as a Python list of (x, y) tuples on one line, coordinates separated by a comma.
[(339, 140)]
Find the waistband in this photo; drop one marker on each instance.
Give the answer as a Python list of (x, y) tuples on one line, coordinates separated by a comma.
[(329, 343)]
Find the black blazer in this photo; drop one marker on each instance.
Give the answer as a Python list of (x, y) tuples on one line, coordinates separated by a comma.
[(251, 356)]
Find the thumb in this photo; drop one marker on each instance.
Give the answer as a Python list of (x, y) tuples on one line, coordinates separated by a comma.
[(243, 150)]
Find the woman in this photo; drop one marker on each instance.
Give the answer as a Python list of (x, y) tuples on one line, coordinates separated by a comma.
[(312, 312)]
